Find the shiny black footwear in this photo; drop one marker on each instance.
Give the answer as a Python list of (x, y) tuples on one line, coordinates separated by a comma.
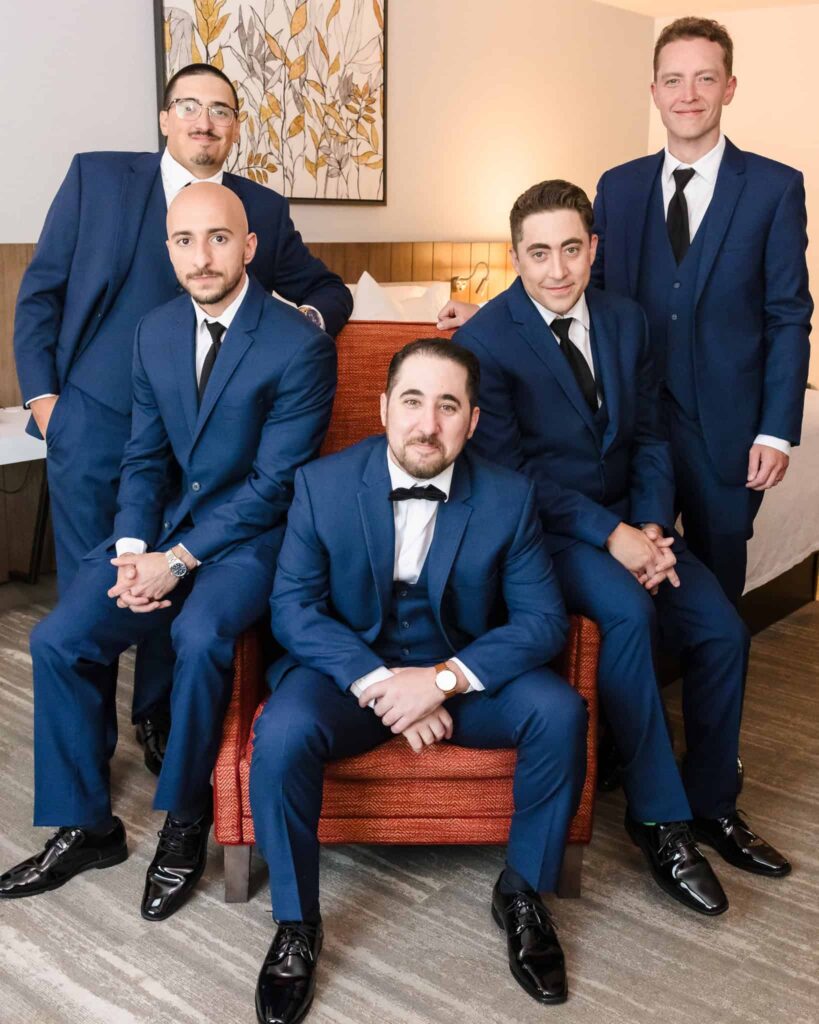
[(152, 735), (68, 852), (287, 980), (180, 858), (678, 866), (735, 842), (535, 957)]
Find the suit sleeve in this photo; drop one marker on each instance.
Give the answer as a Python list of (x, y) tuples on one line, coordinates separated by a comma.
[(291, 435), (39, 310), (788, 309), (302, 278), (651, 484), (537, 624), (147, 462), (598, 271), (300, 612), (562, 510)]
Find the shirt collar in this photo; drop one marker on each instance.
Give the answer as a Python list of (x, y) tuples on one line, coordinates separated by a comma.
[(707, 166), (225, 318), (401, 478), (579, 311), (175, 177)]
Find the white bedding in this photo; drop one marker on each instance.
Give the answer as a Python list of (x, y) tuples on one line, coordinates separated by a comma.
[(786, 530)]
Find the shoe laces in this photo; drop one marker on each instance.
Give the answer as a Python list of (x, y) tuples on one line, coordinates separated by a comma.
[(182, 840), (61, 836), (674, 835), (292, 940), (737, 817), (529, 914)]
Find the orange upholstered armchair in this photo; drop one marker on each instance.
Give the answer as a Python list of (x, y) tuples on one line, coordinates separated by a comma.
[(446, 794)]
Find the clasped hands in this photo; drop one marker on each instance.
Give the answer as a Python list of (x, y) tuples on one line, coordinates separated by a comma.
[(411, 704), (646, 553), (144, 581)]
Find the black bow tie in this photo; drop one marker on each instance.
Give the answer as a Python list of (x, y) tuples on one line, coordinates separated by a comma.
[(405, 493)]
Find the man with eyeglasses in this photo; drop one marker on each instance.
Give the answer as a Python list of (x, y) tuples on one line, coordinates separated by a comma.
[(99, 267)]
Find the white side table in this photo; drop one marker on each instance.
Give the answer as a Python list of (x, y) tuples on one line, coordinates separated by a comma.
[(17, 446)]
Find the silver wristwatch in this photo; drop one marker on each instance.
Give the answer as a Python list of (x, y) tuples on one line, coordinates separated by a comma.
[(176, 566)]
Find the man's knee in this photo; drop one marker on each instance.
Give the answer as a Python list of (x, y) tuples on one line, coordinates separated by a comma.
[(557, 712), (286, 739)]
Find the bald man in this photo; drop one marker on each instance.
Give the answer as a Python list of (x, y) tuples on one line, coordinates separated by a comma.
[(232, 393)]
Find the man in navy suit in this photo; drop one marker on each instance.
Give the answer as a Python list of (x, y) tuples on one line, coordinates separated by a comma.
[(711, 242), (414, 572), (569, 397), (99, 266), (232, 392)]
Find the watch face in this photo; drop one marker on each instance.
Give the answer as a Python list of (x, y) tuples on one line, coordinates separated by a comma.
[(446, 680), (178, 569)]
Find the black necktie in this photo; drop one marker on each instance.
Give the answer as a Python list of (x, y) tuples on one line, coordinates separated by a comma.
[(405, 493), (574, 357), (677, 217), (216, 330)]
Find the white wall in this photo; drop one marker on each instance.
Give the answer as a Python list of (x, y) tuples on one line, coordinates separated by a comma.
[(484, 99)]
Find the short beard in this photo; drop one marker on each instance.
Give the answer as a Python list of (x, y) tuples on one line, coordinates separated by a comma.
[(421, 471), (210, 298), (203, 160)]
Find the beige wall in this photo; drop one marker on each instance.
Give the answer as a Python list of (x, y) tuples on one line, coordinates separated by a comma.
[(774, 110)]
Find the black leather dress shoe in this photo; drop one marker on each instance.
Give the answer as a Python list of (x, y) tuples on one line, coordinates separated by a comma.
[(535, 957), (678, 866), (287, 980), (734, 840), (180, 858), (152, 735), (68, 852)]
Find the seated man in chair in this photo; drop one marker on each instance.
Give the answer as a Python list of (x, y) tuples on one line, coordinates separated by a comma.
[(413, 573), (232, 392)]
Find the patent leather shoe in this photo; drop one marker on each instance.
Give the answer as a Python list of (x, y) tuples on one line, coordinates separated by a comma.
[(678, 866), (535, 957), (287, 980), (152, 735), (68, 852), (736, 842), (178, 863)]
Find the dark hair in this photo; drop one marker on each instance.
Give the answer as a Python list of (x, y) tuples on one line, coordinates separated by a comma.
[(440, 349), (197, 69), (555, 194), (696, 28)]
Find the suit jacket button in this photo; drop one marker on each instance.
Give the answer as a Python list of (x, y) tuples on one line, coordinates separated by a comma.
[(676, 284), (166, 525), (196, 486), (405, 651), (673, 316)]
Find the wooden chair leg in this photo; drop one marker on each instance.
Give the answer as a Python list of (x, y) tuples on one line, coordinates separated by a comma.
[(568, 885), (237, 873)]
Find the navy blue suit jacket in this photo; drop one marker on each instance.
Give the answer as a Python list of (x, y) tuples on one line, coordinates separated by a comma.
[(489, 575), (229, 464), (86, 248), (753, 307), (534, 417)]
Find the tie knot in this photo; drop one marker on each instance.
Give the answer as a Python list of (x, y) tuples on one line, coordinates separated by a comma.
[(560, 326), (216, 330), (682, 176)]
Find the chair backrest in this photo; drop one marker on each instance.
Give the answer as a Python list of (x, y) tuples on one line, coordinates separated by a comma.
[(365, 348)]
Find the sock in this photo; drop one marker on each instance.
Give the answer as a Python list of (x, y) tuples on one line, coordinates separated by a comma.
[(188, 815), (100, 828), (511, 881), (648, 822)]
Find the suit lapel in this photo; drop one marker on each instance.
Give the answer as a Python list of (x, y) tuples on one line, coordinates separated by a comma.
[(635, 210), (605, 352), (450, 523), (182, 342), (545, 346), (136, 189), (379, 524), (237, 340), (730, 183)]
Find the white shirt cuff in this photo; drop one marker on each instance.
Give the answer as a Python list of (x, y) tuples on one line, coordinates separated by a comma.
[(131, 546), (474, 682), (774, 442), (377, 674), (49, 394)]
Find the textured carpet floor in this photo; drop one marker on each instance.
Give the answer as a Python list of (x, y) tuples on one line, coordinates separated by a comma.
[(409, 939)]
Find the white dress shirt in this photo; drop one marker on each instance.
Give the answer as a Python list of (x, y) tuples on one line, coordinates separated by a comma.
[(134, 545), (698, 195), (414, 530), (579, 330), (175, 177)]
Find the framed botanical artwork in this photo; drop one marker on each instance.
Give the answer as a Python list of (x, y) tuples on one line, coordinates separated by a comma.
[(311, 81)]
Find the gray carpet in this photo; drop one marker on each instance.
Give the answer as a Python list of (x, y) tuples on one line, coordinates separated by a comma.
[(409, 939)]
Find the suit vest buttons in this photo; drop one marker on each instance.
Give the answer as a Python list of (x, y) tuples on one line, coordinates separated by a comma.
[(676, 284), (405, 651), (196, 486), (405, 624), (673, 316)]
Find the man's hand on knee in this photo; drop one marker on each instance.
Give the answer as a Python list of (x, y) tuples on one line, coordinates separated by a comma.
[(405, 698)]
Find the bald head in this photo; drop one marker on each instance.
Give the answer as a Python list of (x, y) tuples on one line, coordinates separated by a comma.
[(209, 243)]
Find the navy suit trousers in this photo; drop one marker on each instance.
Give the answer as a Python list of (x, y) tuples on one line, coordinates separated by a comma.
[(695, 622), (72, 651), (308, 721)]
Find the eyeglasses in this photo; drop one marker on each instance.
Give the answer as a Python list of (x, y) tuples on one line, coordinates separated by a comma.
[(189, 109)]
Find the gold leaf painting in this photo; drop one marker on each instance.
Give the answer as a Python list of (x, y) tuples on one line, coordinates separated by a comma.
[(310, 77)]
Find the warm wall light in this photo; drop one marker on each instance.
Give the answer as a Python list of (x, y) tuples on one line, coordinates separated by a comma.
[(459, 283)]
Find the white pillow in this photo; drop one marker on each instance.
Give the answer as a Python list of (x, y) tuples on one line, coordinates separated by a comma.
[(417, 301)]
